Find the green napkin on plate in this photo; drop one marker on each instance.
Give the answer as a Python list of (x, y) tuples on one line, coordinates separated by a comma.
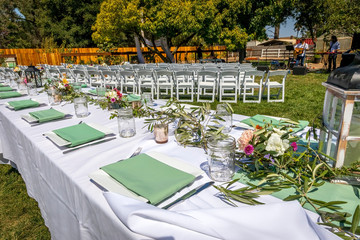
[(79, 134), (21, 104), (5, 89), (47, 115), (149, 177), (261, 120), (84, 85), (9, 94), (133, 98)]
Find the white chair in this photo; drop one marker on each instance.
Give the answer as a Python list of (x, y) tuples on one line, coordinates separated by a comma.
[(164, 80), (252, 85), (94, 77), (228, 85), (269, 84), (146, 80), (80, 76), (109, 78), (69, 74), (206, 81), (184, 81), (53, 74), (128, 80)]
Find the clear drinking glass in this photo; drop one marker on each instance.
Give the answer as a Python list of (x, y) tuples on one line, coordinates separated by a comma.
[(223, 112), (146, 98), (31, 89), (126, 123), (22, 88), (100, 91), (81, 107), (54, 96), (221, 157), (77, 86)]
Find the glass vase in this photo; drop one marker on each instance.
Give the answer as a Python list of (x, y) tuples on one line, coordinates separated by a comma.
[(161, 133)]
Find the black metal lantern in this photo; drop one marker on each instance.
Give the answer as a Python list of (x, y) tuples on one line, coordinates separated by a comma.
[(33, 75)]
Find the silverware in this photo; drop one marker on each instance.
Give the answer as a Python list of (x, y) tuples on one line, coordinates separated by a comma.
[(189, 194), (89, 144), (137, 152)]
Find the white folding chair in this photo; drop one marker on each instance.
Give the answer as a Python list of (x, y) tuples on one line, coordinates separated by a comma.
[(228, 85), (252, 85), (164, 80), (109, 78), (206, 81), (128, 80), (80, 76), (184, 81), (269, 84), (95, 78), (146, 80)]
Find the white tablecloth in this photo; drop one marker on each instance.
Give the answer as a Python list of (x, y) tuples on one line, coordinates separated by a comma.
[(71, 205)]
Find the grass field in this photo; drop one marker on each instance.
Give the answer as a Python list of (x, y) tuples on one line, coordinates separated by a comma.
[(19, 214)]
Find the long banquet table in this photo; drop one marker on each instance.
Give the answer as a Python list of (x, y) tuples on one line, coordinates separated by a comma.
[(71, 205)]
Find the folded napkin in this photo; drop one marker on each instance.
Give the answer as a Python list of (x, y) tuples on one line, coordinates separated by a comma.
[(95, 92), (21, 104), (261, 120), (271, 221), (47, 115), (5, 89), (84, 85), (9, 94), (79, 134), (149, 177), (1, 85), (133, 98)]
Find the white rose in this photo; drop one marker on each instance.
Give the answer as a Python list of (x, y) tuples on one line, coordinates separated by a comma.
[(275, 143)]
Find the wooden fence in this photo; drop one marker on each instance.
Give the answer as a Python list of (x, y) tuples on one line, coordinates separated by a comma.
[(94, 55)]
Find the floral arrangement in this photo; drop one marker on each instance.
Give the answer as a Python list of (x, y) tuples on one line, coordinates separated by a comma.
[(17, 69), (69, 66), (113, 100)]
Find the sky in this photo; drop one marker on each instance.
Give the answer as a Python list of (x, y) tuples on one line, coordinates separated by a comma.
[(286, 29)]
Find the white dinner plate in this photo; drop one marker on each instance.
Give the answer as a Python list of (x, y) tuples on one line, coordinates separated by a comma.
[(30, 119), (103, 179), (60, 142)]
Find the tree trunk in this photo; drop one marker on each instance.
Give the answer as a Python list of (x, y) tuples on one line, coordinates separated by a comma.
[(166, 49), (277, 31), (138, 50), (242, 54)]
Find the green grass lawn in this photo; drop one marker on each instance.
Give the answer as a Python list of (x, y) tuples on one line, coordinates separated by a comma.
[(19, 214)]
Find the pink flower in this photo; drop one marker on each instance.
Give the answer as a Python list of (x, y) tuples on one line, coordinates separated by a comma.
[(249, 149), (245, 139), (25, 80), (294, 146), (113, 100)]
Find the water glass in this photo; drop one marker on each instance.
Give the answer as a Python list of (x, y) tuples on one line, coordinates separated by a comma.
[(221, 157), (22, 88), (126, 123), (100, 91), (54, 96), (77, 87), (225, 114), (31, 89), (81, 107), (147, 100)]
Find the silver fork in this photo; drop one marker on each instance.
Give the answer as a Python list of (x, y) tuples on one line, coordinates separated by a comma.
[(137, 152)]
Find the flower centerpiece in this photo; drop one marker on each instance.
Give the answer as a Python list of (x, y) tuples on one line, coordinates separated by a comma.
[(113, 100)]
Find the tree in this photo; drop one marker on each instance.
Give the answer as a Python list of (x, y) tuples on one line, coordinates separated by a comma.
[(68, 21)]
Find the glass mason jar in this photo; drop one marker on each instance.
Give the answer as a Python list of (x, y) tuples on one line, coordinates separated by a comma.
[(77, 87), (81, 107), (126, 122), (146, 99), (31, 88), (221, 157), (54, 96), (161, 133), (224, 113)]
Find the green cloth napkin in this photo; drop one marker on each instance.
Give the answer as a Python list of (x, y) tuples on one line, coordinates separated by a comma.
[(95, 93), (79, 134), (47, 115), (1, 85), (149, 177), (9, 94), (133, 98), (21, 104), (261, 120), (84, 85), (5, 89), (327, 192)]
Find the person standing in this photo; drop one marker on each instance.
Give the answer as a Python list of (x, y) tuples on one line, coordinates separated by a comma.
[(334, 48), (300, 52)]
